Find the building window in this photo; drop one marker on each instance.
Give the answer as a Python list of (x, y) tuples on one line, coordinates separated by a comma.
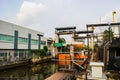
[(43, 42), (22, 40), (7, 38), (34, 42)]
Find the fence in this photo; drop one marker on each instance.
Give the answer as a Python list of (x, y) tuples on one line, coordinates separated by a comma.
[(10, 56)]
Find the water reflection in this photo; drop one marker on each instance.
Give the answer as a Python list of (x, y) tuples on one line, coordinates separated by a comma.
[(68, 65), (30, 72), (113, 75), (34, 72)]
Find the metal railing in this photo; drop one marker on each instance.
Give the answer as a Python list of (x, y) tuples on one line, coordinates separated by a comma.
[(8, 56)]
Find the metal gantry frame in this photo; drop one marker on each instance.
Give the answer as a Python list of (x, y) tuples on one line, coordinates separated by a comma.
[(65, 30), (70, 30), (99, 25)]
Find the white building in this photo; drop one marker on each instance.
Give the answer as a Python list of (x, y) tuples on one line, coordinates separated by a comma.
[(13, 36)]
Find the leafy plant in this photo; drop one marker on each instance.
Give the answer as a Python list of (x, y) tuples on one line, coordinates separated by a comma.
[(107, 35), (45, 48), (62, 40), (42, 52)]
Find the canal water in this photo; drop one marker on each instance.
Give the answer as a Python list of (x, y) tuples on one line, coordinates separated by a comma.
[(29, 72), (113, 75), (41, 72)]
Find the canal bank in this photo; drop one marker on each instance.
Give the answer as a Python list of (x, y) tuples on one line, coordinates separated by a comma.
[(41, 59), (8, 65), (13, 64)]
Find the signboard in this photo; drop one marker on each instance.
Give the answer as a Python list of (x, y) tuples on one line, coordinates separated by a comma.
[(58, 44)]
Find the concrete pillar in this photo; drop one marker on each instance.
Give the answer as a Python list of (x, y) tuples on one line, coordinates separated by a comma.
[(72, 51), (91, 43), (73, 35), (56, 38), (15, 39), (56, 41), (115, 20), (39, 42), (29, 41)]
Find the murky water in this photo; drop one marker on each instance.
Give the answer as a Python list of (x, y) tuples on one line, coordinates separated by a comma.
[(29, 72), (41, 72), (113, 75)]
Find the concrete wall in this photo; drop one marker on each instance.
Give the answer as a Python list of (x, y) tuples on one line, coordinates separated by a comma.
[(6, 45), (9, 28)]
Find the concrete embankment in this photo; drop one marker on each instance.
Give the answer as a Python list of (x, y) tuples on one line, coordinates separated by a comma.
[(41, 60), (13, 64), (9, 65)]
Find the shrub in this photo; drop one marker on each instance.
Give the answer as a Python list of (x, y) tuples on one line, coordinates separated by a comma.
[(42, 52)]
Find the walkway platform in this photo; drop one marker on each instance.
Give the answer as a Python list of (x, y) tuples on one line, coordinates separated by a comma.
[(61, 76)]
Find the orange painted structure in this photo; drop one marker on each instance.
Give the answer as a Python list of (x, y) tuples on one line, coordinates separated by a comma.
[(65, 59), (79, 45)]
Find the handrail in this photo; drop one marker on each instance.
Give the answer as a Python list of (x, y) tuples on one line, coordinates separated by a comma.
[(78, 64), (105, 46)]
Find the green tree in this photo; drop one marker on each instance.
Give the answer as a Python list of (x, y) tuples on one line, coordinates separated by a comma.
[(62, 40), (107, 35), (66, 48), (45, 48), (42, 52)]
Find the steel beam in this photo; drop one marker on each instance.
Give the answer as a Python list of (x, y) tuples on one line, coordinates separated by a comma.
[(65, 28), (83, 32), (102, 25), (83, 37)]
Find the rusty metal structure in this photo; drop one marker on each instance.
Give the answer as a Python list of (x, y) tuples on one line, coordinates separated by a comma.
[(109, 52)]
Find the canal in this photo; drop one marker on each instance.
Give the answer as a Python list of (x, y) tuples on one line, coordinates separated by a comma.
[(29, 72), (113, 75), (41, 72)]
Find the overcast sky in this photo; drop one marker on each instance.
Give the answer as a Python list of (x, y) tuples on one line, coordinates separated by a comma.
[(45, 15)]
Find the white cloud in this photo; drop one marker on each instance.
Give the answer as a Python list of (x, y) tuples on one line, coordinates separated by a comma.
[(45, 15), (29, 12)]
